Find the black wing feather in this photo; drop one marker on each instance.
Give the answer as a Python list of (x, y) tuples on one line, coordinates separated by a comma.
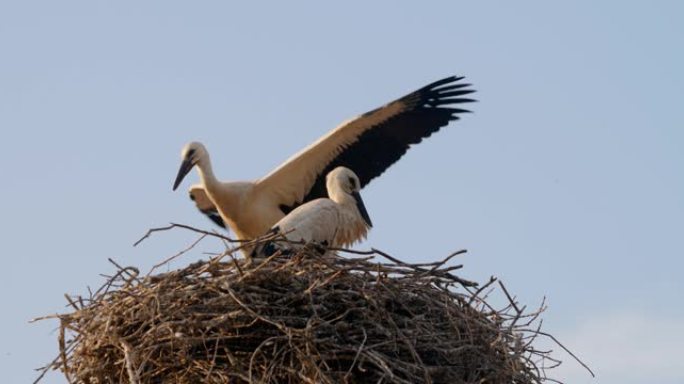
[(216, 218), (380, 147)]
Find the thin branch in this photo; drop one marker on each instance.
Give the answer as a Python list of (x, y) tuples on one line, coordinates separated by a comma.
[(177, 255), (129, 358), (568, 351), (175, 225)]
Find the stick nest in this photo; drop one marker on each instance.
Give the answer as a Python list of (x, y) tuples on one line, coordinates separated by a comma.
[(302, 319)]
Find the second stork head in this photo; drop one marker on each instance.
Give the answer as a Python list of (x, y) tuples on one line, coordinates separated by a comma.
[(343, 185)]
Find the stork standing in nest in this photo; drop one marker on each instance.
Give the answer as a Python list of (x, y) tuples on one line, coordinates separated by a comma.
[(337, 221), (368, 144)]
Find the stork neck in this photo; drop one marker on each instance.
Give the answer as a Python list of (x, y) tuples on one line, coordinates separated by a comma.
[(207, 174), (341, 198)]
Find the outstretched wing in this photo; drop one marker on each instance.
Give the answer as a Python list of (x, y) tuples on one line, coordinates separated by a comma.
[(368, 144)]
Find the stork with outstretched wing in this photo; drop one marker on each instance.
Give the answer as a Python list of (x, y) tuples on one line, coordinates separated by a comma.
[(368, 145)]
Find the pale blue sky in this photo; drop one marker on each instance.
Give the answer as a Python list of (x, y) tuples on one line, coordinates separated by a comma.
[(566, 182)]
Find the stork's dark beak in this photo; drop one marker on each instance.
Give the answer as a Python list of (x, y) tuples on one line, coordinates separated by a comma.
[(185, 167), (362, 208)]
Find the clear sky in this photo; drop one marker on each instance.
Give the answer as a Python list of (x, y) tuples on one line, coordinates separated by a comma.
[(567, 181)]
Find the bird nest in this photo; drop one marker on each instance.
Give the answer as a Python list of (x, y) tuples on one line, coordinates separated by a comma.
[(308, 318)]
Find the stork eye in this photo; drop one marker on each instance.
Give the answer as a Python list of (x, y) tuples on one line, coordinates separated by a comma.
[(190, 153), (352, 182)]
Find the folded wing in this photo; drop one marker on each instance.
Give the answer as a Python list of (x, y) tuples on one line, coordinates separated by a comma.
[(205, 205)]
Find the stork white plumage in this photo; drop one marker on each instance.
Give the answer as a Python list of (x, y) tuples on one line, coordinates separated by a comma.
[(337, 221), (368, 144)]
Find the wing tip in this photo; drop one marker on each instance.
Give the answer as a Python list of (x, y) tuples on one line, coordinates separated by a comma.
[(447, 91), (447, 80), (446, 85), (450, 100)]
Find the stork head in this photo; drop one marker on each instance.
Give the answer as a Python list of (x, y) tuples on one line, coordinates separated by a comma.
[(192, 154), (341, 183)]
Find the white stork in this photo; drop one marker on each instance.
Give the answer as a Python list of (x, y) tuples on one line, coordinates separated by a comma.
[(368, 144), (337, 221)]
